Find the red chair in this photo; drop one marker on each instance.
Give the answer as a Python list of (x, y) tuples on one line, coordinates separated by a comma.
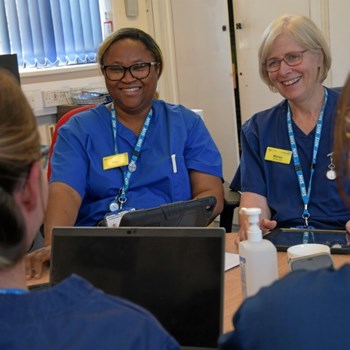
[(60, 122)]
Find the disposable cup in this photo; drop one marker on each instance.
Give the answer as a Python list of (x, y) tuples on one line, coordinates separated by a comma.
[(301, 250)]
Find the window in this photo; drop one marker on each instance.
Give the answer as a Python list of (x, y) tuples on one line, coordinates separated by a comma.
[(47, 33)]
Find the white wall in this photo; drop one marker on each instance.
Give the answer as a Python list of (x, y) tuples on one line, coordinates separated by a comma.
[(339, 35), (254, 16), (204, 69)]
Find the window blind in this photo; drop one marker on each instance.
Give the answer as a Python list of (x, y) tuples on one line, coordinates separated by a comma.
[(46, 33)]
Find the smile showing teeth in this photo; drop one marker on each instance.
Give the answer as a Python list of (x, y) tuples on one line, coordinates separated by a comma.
[(291, 82), (131, 89)]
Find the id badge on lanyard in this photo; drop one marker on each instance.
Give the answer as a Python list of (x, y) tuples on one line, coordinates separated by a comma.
[(116, 206)]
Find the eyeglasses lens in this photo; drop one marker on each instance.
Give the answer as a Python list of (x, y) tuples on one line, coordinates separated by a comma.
[(291, 59), (138, 71)]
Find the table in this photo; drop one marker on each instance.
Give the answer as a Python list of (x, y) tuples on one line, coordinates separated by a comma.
[(232, 291)]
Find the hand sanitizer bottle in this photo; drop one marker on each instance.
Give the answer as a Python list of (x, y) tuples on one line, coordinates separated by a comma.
[(258, 257)]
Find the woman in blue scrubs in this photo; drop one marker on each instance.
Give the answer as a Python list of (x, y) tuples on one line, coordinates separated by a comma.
[(305, 309), (287, 166), (134, 153)]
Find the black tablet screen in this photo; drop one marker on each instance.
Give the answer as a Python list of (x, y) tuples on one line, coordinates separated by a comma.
[(337, 240)]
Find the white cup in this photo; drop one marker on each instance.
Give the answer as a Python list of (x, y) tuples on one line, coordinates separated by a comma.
[(301, 250)]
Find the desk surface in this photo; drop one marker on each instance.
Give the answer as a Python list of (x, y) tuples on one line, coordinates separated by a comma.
[(233, 290)]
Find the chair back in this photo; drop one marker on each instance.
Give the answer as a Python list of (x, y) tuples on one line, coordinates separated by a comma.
[(59, 123)]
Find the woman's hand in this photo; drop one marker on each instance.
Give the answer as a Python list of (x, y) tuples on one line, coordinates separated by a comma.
[(347, 227), (35, 262), (267, 225)]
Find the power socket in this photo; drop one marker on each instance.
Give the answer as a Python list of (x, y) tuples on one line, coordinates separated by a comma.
[(55, 98)]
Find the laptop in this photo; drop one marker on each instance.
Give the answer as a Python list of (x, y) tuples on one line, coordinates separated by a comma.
[(10, 63), (175, 273)]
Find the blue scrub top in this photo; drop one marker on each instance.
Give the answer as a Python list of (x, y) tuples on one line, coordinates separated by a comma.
[(174, 130), (278, 182), (75, 315), (304, 310)]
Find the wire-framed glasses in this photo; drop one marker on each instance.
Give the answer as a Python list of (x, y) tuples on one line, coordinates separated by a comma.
[(291, 59), (116, 72)]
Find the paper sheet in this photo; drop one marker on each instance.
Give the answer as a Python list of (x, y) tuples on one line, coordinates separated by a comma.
[(231, 260)]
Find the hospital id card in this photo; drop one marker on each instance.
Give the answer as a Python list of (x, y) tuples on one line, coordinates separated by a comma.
[(113, 219), (278, 155)]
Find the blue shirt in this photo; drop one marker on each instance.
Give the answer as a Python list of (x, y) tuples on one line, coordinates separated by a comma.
[(278, 182), (75, 315), (302, 311), (174, 130)]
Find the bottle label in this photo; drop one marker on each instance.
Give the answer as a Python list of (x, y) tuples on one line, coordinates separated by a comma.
[(242, 262)]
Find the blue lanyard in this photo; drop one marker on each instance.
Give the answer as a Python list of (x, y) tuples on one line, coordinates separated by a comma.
[(16, 291), (121, 196), (305, 193)]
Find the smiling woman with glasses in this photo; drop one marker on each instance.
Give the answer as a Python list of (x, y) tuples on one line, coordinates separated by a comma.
[(287, 150), (136, 152)]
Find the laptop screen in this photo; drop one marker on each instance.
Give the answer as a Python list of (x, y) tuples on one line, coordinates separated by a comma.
[(9, 62), (175, 273)]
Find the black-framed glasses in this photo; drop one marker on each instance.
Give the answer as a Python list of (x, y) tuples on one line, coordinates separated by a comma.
[(116, 72), (291, 59)]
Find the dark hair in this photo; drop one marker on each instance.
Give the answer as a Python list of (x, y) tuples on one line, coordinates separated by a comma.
[(342, 140), (134, 34), (19, 149)]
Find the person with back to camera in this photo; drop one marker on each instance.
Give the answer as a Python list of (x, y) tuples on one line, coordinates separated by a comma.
[(305, 310), (73, 314), (134, 153), (287, 167)]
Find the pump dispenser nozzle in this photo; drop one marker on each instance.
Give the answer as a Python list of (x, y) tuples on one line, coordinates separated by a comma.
[(254, 231)]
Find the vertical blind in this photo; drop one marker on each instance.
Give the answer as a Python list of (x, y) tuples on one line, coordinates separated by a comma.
[(46, 33)]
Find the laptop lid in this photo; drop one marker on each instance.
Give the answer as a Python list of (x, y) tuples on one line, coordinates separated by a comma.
[(175, 273), (191, 213)]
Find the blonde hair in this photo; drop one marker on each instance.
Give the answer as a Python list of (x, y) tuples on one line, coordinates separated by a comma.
[(304, 31), (19, 149)]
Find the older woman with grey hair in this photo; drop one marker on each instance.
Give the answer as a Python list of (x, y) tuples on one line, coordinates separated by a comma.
[(287, 166)]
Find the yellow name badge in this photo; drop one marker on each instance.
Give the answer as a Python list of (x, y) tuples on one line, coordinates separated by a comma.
[(278, 155), (115, 161)]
